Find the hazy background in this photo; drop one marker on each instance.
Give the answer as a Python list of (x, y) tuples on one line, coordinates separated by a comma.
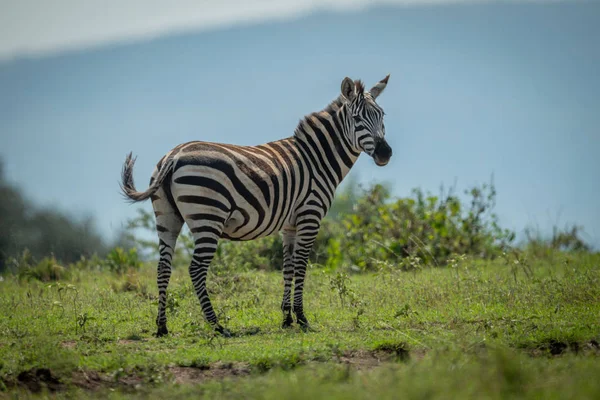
[(477, 88)]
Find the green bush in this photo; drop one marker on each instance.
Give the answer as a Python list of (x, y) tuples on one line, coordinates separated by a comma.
[(93, 263), (131, 282), (46, 270), (121, 261), (429, 227), (263, 254), (567, 239)]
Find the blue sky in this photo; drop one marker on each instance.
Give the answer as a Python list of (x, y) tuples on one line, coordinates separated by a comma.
[(510, 89)]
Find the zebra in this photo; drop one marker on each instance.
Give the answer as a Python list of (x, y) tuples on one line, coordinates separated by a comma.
[(239, 193)]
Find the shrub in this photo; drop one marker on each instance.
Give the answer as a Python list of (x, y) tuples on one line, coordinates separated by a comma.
[(263, 254), (429, 227), (92, 263), (42, 231), (130, 283), (120, 261), (567, 239), (46, 270)]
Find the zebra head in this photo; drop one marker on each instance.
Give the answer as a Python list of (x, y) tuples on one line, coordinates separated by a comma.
[(367, 131)]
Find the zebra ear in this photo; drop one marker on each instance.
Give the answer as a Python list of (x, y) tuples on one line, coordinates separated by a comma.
[(379, 87), (348, 89)]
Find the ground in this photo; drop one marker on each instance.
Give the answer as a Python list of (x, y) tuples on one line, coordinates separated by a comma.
[(476, 329)]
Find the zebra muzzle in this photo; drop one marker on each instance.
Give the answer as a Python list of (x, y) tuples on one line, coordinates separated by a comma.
[(382, 153)]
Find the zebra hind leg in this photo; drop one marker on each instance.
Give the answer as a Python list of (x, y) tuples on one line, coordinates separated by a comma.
[(205, 245), (168, 225)]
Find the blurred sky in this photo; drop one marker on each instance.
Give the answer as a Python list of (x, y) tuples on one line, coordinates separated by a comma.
[(477, 88)]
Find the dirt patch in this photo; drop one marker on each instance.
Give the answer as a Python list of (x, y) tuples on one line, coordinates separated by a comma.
[(130, 341), (219, 370), (557, 348), (384, 354), (398, 351), (360, 359), (69, 344), (90, 380), (37, 379), (593, 345)]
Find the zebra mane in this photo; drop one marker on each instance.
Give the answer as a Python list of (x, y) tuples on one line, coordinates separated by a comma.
[(331, 109), (360, 86), (334, 105)]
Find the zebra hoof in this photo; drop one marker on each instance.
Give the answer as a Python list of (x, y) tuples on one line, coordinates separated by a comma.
[(224, 332), (162, 331), (287, 322), (303, 323)]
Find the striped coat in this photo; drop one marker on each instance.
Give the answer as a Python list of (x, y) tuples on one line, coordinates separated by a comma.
[(225, 191)]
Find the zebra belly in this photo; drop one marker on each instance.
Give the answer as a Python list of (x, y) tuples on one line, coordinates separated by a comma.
[(236, 228)]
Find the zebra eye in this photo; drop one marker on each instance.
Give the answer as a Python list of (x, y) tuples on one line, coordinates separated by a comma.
[(356, 118)]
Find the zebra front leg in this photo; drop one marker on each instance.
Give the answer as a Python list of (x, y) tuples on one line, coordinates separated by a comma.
[(205, 241), (289, 237), (302, 249)]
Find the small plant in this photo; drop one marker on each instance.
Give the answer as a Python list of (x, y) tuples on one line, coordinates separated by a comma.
[(120, 261), (263, 365), (132, 283), (82, 320), (517, 262), (202, 363), (338, 284), (134, 337), (23, 261), (118, 374), (335, 349), (356, 318), (454, 262), (399, 349), (173, 302), (411, 263), (92, 263), (405, 311)]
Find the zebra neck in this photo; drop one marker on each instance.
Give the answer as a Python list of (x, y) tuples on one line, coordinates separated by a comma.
[(322, 138)]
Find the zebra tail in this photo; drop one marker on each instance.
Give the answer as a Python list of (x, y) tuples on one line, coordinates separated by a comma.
[(128, 187)]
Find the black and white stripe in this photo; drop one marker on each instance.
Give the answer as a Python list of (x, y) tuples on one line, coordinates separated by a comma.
[(224, 191)]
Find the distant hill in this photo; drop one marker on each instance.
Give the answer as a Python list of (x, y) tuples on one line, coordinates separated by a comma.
[(475, 89)]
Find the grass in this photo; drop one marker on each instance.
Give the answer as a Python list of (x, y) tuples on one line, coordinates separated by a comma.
[(475, 330)]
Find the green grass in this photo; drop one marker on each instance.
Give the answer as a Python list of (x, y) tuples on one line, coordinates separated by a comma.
[(479, 330)]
